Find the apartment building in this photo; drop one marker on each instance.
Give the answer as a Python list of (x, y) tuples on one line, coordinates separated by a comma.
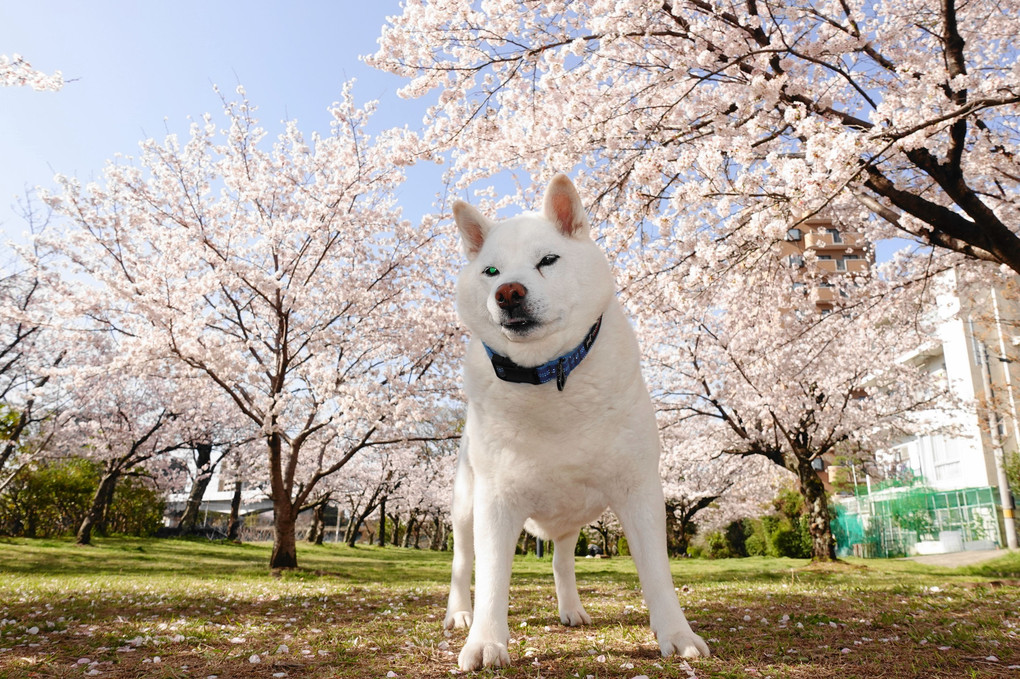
[(820, 252)]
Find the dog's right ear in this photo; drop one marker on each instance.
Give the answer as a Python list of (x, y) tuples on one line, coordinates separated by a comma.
[(473, 227)]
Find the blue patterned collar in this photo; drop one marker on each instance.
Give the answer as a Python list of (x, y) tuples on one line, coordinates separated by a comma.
[(557, 369)]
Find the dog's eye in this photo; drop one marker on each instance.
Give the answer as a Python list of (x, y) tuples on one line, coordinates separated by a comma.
[(548, 260), (490, 271)]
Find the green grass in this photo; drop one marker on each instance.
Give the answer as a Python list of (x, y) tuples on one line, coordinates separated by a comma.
[(174, 608)]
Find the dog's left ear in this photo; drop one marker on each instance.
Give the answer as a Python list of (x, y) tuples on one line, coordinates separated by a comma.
[(562, 206)]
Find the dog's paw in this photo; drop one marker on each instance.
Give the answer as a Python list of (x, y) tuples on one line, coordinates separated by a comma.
[(684, 643), (479, 654), (457, 619), (575, 617)]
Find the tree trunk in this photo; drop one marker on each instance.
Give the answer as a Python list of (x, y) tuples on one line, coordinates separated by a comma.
[(203, 462), (316, 530), (672, 530), (409, 529), (31, 524), (438, 533), (321, 535), (284, 515), (395, 541), (106, 501), (356, 524), (382, 523), (350, 531), (234, 526), (95, 518), (823, 546), (284, 540), (604, 533)]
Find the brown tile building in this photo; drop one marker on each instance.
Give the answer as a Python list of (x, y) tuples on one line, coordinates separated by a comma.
[(819, 252)]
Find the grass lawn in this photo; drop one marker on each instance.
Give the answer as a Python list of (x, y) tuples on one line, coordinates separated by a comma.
[(173, 608)]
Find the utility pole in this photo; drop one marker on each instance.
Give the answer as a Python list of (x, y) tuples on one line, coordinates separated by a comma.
[(1005, 496)]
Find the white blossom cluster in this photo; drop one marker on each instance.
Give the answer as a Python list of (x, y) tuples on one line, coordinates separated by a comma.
[(16, 72)]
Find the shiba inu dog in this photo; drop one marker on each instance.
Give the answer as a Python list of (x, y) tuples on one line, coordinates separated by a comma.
[(559, 424)]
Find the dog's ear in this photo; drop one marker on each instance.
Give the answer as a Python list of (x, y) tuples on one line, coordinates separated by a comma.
[(473, 227), (562, 206)]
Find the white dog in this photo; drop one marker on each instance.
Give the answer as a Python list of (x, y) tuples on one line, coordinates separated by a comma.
[(559, 423)]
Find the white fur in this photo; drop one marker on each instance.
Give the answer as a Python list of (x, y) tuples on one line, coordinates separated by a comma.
[(551, 460)]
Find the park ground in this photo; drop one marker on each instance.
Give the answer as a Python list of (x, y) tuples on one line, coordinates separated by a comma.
[(177, 609)]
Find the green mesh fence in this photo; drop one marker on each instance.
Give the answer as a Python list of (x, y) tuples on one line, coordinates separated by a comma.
[(902, 518)]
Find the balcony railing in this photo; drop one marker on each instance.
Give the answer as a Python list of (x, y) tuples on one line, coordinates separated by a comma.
[(820, 295), (853, 266), (828, 241)]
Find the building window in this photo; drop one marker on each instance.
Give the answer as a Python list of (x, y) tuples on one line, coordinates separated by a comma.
[(793, 234), (945, 459), (836, 238), (826, 257), (840, 265), (900, 467)]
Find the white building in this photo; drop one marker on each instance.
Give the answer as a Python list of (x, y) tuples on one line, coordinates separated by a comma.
[(977, 354)]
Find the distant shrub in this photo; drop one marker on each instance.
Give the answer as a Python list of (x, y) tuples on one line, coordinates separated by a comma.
[(716, 546), (783, 533), (137, 508), (788, 541), (48, 500), (51, 499)]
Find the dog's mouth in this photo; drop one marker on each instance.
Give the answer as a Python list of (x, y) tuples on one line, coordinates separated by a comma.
[(518, 325)]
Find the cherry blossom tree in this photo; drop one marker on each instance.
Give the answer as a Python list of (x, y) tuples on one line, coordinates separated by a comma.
[(724, 124), (283, 275), (29, 351), (16, 72), (697, 478), (789, 384), (212, 442), (364, 490), (124, 416), (20, 384), (423, 502), (700, 133)]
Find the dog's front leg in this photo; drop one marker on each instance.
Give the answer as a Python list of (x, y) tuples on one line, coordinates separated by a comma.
[(643, 516), (458, 607), (496, 530)]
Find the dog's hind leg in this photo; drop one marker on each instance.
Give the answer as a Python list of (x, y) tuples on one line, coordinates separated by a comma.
[(572, 613), (642, 513), (458, 608)]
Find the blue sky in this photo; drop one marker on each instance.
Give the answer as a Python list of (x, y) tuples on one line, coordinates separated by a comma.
[(139, 69)]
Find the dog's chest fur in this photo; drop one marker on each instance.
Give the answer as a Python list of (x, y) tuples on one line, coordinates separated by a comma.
[(556, 454)]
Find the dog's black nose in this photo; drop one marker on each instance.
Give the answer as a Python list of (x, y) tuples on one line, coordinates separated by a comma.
[(510, 295)]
